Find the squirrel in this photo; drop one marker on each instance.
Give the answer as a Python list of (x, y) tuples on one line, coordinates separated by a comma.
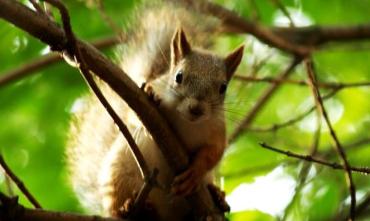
[(188, 83)]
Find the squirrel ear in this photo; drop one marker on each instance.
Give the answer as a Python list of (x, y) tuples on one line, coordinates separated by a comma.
[(232, 61), (180, 46)]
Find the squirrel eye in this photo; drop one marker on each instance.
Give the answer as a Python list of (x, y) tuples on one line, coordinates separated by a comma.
[(223, 88), (179, 77)]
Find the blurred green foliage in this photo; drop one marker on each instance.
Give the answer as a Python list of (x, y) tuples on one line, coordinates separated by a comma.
[(35, 111)]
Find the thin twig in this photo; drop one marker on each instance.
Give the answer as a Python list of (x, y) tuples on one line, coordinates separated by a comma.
[(284, 11), (293, 120), (254, 70), (256, 67), (245, 123), (19, 183), (336, 166), (350, 146), (320, 106), (148, 185), (326, 85)]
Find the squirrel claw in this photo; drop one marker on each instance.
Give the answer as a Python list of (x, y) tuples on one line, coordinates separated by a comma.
[(218, 197), (148, 89), (186, 183)]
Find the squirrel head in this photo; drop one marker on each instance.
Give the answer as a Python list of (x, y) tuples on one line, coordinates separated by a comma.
[(199, 79)]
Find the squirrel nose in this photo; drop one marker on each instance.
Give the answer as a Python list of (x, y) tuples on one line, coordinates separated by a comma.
[(196, 110)]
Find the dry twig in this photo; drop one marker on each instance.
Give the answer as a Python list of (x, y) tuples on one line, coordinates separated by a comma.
[(293, 120), (325, 85), (245, 123), (18, 182), (362, 170), (339, 148), (285, 11)]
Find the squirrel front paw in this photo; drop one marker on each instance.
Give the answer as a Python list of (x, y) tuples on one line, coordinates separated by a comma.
[(187, 182), (218, 197), (148, 89)]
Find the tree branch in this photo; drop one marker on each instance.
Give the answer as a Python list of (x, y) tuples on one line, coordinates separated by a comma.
[(245, 123), (336, 166), (284, 10), (169, 144), (18, 182), (234, 23), (294, 120), (319, 35), (11, 210), (350, 146), (296, 40), (320, 107), (325, 85)]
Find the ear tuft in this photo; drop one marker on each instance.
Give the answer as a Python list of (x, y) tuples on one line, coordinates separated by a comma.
[(180, 46), (232, 61)]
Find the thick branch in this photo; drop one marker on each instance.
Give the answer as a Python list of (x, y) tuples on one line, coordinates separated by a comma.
[(319, 35), (167, 141), (21, 213), (296, 40), (237, 24)]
